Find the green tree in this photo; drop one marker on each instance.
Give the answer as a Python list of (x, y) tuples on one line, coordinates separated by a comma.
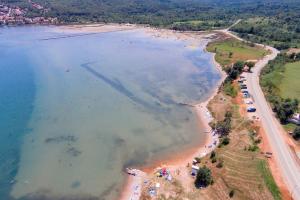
[(250, 65), (285, 108), (223, 127), (204, 177), (234, 71)]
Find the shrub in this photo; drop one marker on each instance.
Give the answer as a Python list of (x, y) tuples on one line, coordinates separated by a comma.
[(213, 160), (250, 65), (231, 193), (198, 160), (204, 177), (257, 141), (253, 148), (229, 89), (225, 141), (296, 133), (213, 154), (220, 164)]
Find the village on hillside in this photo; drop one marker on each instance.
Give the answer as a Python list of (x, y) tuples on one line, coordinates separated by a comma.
[(14, 15)]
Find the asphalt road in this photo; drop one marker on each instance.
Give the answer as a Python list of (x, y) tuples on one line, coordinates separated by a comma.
[(286, 160)]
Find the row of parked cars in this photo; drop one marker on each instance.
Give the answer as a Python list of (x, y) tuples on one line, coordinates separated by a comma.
[(246, 94)]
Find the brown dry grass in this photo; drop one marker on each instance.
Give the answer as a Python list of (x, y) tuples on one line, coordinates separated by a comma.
[(240, 172), (240, 167)]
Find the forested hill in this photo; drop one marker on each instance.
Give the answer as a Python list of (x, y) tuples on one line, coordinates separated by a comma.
[(270, 21), (161, 12)]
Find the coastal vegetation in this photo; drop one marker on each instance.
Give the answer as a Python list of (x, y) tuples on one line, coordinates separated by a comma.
[(223, 127), (229, 89), (203, 178), (279, 75)]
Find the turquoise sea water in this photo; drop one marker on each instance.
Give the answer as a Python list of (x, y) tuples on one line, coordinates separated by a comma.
[(75, 111)]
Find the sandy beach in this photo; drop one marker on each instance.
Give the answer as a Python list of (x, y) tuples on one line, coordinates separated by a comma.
[(194, 38), (133, 186)]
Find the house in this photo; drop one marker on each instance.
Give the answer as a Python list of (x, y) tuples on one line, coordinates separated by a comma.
[(295, 119)]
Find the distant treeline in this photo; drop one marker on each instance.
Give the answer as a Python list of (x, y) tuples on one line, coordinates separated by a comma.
[(275, 22), (281, 31)]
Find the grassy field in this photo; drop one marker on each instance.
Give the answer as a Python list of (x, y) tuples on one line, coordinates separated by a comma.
[(289, 87), (231, 50)]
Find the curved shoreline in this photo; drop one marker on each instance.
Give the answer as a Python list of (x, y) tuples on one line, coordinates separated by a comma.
[(133, 184), (132, 187)]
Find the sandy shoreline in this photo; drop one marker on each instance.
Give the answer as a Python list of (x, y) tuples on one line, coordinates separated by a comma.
[(132, 188), (133, 185)]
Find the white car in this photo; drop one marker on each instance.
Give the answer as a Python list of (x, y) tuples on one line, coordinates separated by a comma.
[(249, 102)]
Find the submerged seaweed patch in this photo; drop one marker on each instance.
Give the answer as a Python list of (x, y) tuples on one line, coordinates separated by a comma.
[(68, 138), (73, 151)]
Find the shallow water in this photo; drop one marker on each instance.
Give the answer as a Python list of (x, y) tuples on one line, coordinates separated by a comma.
[(75, 111)]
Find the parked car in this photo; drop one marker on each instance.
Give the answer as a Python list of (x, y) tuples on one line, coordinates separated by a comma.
[(251, 109), (248, 102), (246, 95)]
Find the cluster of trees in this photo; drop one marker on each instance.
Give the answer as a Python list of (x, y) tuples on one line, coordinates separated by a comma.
[(281, 30), (283, 107), (223, 128), (232, 74), (200, 25), (234, 71)]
